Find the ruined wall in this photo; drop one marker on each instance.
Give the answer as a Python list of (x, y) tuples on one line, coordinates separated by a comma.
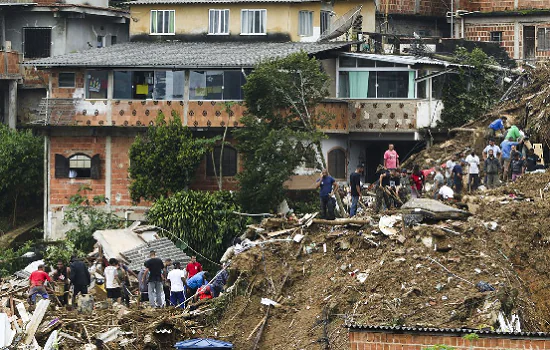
[(503, 5), (414, 7), (369, 340)]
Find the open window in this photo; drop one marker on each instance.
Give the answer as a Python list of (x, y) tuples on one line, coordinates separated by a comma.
[(77, 166), (229, 163), (337, 163), (37, 42)]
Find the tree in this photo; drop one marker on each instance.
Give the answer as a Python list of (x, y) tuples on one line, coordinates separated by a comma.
[(282, 127), (164, 160), (21, 168), (473, 91)]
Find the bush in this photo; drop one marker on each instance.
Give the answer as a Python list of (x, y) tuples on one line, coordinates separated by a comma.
[(204, 220)]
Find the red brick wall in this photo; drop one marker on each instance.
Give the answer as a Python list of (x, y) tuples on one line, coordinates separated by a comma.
[(13, 63), (408, 7), (503, 5), (367, 340)]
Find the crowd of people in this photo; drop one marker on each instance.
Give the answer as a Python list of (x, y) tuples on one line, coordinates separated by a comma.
[(464, 171), (160, 283)]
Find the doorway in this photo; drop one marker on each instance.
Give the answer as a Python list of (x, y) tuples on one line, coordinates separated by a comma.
[(528, 43)]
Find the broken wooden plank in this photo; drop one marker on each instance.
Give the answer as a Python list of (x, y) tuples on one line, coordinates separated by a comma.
[(281, 232), (345, 221), (36, 319)]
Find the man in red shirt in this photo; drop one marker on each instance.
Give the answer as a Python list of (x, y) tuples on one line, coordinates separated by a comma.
[(36, 283), (193, 267)]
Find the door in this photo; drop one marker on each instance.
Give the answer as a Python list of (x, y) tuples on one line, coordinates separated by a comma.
[(528, 42)]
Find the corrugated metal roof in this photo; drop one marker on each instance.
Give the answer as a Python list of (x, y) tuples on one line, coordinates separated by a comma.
[(412, 329), (164, 249), (184, 54), (402, 59), (176, 2)]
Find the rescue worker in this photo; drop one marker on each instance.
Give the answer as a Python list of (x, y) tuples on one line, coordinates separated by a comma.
[(386, 191)]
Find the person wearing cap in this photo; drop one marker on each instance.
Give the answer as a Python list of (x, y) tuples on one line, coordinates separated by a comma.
[(355, 184), (177, 279), (497, 125)]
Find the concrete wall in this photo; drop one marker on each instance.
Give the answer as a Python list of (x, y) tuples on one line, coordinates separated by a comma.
[(282, 18), (333, 142), (503, 5), (68, 34), (407, 25), (369, 340)]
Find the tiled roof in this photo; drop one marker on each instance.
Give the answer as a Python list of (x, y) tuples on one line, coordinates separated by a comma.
[(147, 2), (164, 249), (404, 329), (184, 54)]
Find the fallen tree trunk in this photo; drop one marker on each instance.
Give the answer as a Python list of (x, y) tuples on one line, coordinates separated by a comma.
[(345, 221)]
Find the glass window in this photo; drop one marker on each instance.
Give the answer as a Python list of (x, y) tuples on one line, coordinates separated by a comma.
[(37, 42), (365, 63), (496, 36), (218, 22), (158, 85), (169, 85), (374, 84), (393, 84), (216, 85), (163, 21), (122, 85), (543, 39), (325, 21), (96, 84), (80, 165), (253, 21), (66, 80), (337, 163), (305, 23), (229, 164), (348, 62)]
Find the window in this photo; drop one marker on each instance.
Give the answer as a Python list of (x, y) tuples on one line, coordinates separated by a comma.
[(37, 42), (162, 21), (141, 85), (496, 36), (216, 85), (100, 41), (113, 40), (543, 39), (253, 21), (325, 21), (229, 164), (66, 80), (305, 23), (96, 84), (218, 22), (337, 163), (77, 166)]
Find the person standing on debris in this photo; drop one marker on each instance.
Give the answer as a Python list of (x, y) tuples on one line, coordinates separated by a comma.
[(355, 184), (513, 133), (405, 188), (497, 125), (327, 186), (125, 282), (177, 281), (518, 166), (492, 168), (506, 147), (457, 176), (143, 281), (154, 267), (473, 171), (386, 192), (112, 280), (449, 165), (418, 182), (439, 181), (193, 267), (80, 277), (61, 278), (219, 281), (37, 281), (491, 146), (391, 158), (531, 160), (166, 285)]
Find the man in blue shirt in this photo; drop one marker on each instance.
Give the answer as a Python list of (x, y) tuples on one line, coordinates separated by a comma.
[(327, 185), (457, 176), (496, 125), (506, 147)]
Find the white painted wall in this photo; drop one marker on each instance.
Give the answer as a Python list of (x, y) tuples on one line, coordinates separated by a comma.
[(426, 115)]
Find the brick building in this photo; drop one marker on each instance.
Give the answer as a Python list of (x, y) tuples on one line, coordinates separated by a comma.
[(520, 26), (363, 337), (405, 17)]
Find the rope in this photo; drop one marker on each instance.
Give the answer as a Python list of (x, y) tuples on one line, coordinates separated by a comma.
[(173, 235)]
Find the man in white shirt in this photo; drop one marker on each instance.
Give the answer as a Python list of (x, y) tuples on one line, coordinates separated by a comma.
[(449, 165), (112, 281), (445, 192), (177, 277), (496, 150), (473, 172)]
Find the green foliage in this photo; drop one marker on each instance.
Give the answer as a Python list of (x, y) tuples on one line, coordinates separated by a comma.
[(11, 260), (473, 91), (21, 169), (204, 220), (439, 347), (471, 336), (63, 251), (303, 202), (280, 130), (164, 160), (86, 219)]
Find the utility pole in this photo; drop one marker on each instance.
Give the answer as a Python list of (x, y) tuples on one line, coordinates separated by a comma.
[(452, 19)]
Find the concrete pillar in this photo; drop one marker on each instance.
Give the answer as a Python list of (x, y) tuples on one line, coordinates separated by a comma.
[(12, 104), (516, 40), (108, 171)]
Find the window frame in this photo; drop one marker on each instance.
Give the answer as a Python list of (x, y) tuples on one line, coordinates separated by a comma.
[(500, 35), (87, 87), (210, 163), (172, 14), (546, 41), (66, 87), (401, 68), (24, 43), (328, 14), (63, 167), (263, 19), (309, 30), (226, 22), (193, 99)]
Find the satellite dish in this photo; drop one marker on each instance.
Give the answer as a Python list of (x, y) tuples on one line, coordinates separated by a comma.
[(341, 25)]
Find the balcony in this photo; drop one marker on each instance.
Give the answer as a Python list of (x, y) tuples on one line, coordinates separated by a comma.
[(383, 115)]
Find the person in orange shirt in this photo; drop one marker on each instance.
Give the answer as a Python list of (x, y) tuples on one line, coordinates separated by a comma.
[(37, 282)]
